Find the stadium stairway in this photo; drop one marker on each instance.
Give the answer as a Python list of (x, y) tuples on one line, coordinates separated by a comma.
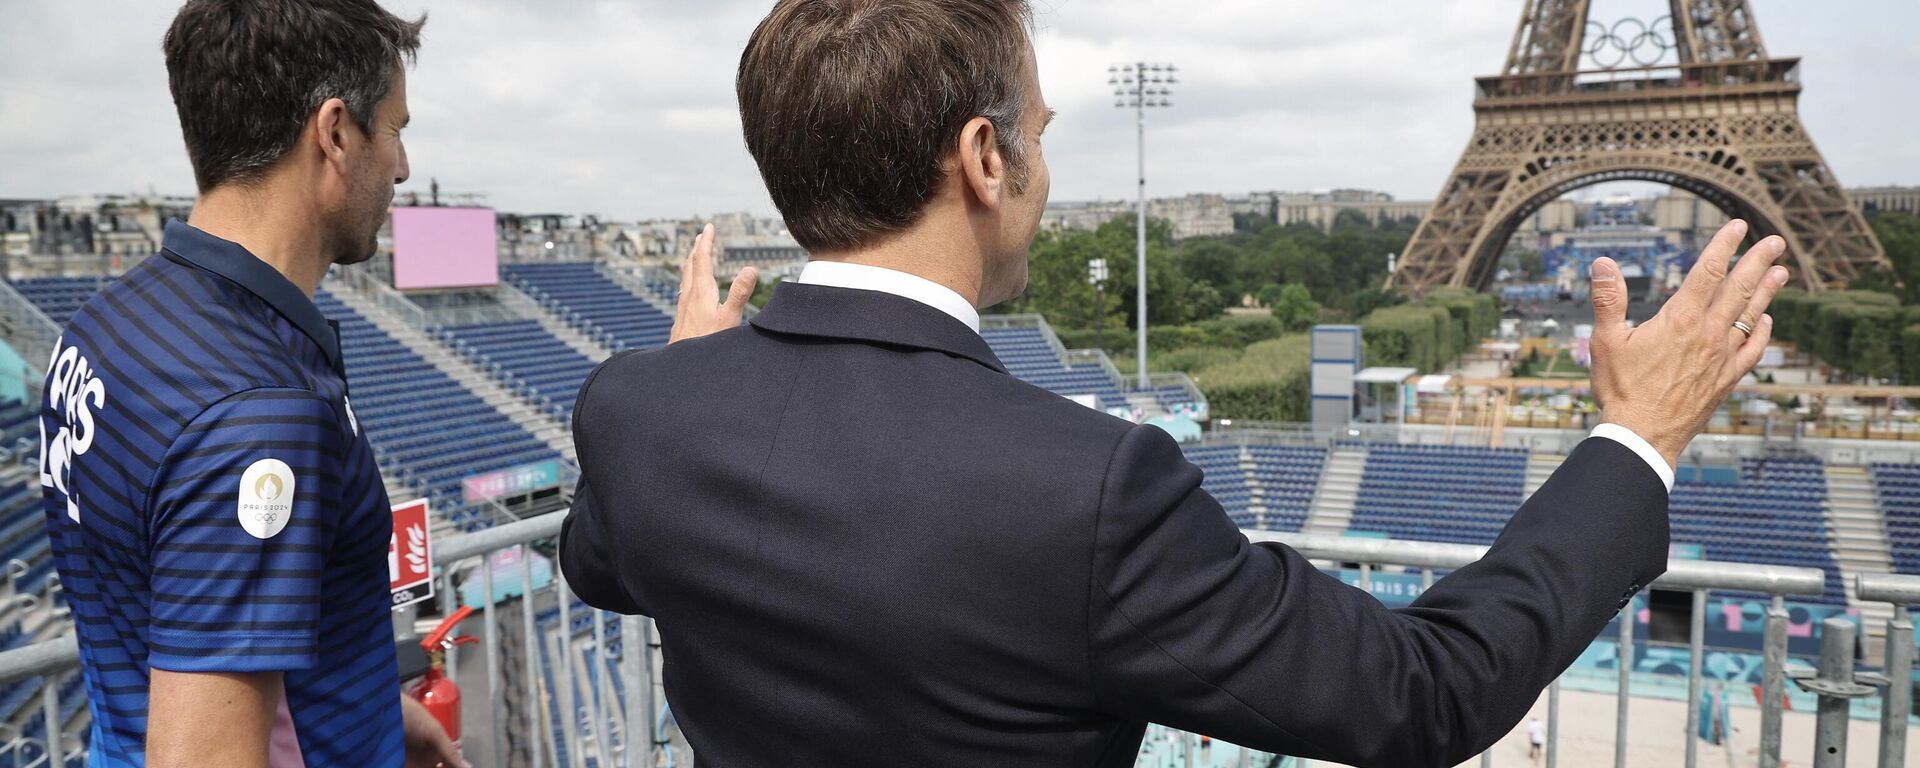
[(1857, 537), (1332, 509), (513, 298), (631, 277), (1541, 466), (542, 426)]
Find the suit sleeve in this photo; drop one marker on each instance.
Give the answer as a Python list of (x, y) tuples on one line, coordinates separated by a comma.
[(587, 555), (589, 535), (1191, 625)]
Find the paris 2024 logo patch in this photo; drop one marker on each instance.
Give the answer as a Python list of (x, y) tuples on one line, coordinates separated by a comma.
[(266, 498)]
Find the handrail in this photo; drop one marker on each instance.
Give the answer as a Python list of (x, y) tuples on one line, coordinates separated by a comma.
[(1895, 588)]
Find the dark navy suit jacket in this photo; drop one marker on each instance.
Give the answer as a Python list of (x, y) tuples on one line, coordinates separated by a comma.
[(865, 544)]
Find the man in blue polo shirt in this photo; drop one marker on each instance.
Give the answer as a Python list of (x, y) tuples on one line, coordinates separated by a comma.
[(216, 515)]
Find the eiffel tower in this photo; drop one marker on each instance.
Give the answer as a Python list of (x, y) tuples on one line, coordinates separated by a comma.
[(1692, 101)]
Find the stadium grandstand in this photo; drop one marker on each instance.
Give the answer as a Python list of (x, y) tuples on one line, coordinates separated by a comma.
[(467, 395)]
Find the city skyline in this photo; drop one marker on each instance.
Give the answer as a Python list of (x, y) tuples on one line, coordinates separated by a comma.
[(560, 116)]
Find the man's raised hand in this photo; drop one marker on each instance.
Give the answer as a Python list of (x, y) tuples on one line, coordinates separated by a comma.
[(1665, 379), (700, 311)]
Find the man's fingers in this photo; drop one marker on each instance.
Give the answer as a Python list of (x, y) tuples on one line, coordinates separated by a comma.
[(686, 269), (1704, 279), (1746, 281), (1770, 286), (1609, 298), (1750, 352), (742, 289), (702, 259)]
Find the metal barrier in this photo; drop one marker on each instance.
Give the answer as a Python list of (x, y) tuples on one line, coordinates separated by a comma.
[(605, 727), (1695, 576), (1897, 704)]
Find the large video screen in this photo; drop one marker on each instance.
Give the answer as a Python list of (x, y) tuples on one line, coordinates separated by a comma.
[(444, 248)]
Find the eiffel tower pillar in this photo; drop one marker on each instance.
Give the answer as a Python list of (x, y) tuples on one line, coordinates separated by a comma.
[(1691, 101)]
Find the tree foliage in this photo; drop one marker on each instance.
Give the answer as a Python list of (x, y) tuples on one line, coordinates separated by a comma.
[(1294, 307), (1857, 331)]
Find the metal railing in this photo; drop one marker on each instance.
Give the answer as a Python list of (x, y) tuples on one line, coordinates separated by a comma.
[(29, 329), (602, 725), (1694, 576)]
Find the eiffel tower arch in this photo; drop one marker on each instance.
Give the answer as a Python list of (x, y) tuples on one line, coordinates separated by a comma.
[(1691, 100)]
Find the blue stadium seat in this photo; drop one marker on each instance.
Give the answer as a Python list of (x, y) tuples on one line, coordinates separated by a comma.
[(590, 301), (523, 355)]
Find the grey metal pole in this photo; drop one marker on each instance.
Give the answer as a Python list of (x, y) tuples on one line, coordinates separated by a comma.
[(1836, 665), (1553, 722), (1626, 676), (1366, 578), (1696, 646), (532, 668), (451, 603), (633, 658), (1189, 746), (1899, 696), (494, 694), (50, 709), (1140, 233), (1486, 758), (570, 703), (602, 740), (1773, 682)]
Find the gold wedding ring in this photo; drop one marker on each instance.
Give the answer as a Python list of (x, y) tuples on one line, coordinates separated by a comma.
[(1743, 328)]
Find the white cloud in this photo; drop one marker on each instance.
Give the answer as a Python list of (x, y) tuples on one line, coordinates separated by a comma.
[(627, 108)]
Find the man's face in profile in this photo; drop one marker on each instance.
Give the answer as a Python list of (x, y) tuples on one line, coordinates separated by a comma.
[(1006, 275), (382, 165)]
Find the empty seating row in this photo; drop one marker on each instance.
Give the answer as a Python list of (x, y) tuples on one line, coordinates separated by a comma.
[(593, 303), (1898, 486), (527, 358), (59, 297), (427, 429)]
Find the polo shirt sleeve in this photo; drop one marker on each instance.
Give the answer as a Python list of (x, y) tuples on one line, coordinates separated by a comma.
[(239, 521)]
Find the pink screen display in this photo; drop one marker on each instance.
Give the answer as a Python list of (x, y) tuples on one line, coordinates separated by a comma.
[(444, 248)]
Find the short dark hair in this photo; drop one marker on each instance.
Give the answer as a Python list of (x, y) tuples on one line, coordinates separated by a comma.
[(851, 107), (246, 74)]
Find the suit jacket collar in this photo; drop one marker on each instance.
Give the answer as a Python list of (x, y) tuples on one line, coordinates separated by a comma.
[(873, 316)]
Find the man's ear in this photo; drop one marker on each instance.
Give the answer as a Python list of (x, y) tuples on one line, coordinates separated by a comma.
[(333, 131), (982, 168)]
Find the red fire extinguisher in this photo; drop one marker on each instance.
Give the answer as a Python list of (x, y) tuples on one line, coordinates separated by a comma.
[(435, 691)]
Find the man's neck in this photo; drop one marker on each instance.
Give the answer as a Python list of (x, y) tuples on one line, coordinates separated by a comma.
[(276, 234), (924, 254)]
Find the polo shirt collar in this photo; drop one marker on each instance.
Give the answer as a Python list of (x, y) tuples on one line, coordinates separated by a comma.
[(233, 262)]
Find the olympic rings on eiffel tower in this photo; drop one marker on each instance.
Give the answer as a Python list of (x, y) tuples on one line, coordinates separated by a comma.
[(1629, 38)]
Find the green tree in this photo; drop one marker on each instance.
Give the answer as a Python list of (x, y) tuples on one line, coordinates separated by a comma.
[(1871, 350), (1899, 233), (1295, 308)]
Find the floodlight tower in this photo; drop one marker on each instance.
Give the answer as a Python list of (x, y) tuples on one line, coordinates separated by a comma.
[(1141, 86)]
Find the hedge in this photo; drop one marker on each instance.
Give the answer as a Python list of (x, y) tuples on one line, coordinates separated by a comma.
[(1851, 330), (1268, 381), (1430, 333)]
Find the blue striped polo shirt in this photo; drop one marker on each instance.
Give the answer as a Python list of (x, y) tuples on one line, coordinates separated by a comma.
[(213, 505)]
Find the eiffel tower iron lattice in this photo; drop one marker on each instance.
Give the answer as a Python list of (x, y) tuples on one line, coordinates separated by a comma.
[(1577, 105)]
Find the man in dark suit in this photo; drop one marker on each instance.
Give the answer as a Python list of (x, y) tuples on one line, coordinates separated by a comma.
[(865, 544)]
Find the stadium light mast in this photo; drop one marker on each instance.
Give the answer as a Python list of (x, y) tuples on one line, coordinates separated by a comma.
[(1141, 86)]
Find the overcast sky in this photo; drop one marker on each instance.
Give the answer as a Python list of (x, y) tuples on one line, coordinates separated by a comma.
[(626, 108)]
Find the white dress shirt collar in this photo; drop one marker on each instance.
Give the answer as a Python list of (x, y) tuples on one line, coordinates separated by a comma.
[(839, 274)]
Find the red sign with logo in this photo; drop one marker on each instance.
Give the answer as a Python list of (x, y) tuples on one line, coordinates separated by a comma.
[(409, 564)]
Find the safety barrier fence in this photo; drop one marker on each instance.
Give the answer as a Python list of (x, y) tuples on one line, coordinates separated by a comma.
[(612, 715)]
